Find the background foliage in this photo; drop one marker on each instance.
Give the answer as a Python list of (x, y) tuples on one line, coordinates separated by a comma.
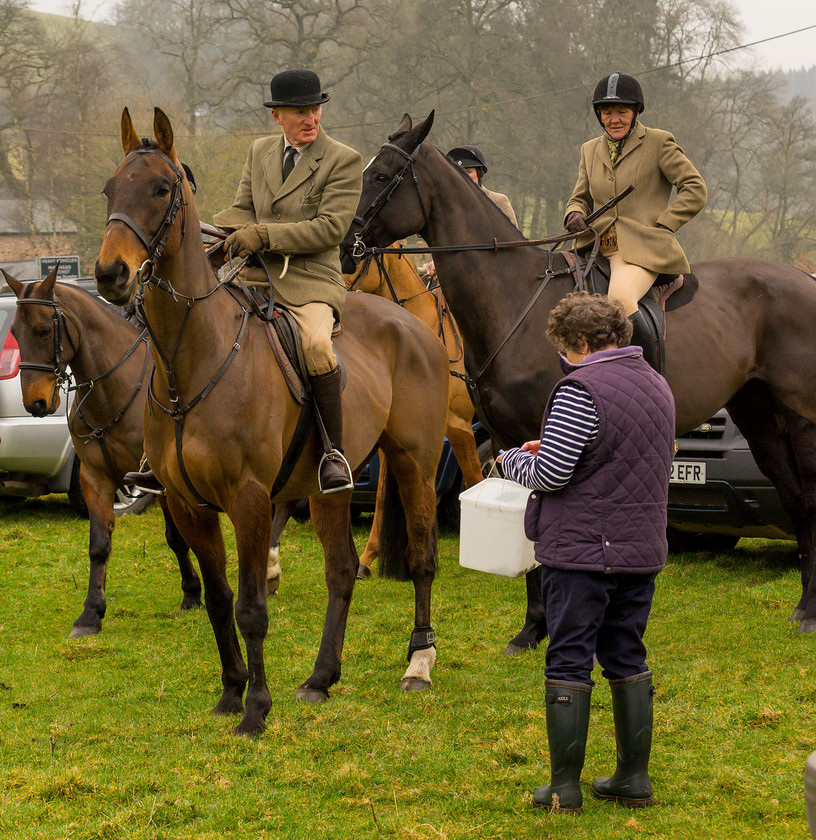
[(512, 76)]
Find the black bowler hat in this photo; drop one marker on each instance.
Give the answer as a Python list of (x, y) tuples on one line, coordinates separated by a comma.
[(295, 89)]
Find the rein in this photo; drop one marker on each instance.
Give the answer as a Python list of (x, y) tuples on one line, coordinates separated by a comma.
[(359, 250)]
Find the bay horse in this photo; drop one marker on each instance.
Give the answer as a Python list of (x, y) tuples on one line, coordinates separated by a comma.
[(744, 341), (221, 418), (63, 331), (395, 278)]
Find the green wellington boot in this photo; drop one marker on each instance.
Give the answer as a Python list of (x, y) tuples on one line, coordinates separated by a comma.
[(632, 712), (567, 725)]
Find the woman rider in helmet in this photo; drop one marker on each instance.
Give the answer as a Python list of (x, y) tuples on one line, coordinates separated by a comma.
[(637, 234)]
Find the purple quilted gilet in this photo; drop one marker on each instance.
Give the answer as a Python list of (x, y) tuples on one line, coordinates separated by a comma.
[(611, 517)]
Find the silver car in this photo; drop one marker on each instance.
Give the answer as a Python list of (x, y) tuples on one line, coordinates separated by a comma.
[(36, 454)]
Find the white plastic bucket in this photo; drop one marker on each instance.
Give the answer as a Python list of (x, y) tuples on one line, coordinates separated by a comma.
[(491, 530)]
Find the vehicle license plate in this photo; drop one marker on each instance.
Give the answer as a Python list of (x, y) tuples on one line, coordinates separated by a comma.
[(688, 472)]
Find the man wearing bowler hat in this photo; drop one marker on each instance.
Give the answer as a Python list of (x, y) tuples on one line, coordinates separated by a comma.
[(296, 199)]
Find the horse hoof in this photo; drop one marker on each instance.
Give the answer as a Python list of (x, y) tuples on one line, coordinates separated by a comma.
[(249, 729), (308, 694), (797, 615), (807, 625), (191, 603), (79, 632), (363, 572), (414, 684), (229, 706), (272, 587), (514, 650)]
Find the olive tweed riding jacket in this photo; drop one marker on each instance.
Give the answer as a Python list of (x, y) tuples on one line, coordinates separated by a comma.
[(305, 217), (652, 161)]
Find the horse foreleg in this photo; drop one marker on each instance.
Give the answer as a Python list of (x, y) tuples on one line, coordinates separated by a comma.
[(331, 517), (282, 512), (190, 582), (372, 548), (202, 531), (535, 623), (102, 522), (250, 513)]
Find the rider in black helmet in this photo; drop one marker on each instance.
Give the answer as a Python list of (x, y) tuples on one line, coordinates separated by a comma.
[(472, 160), (637, 235)]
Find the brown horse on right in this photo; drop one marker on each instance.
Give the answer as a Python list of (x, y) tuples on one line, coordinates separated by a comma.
[(396, 279), (745, 340)]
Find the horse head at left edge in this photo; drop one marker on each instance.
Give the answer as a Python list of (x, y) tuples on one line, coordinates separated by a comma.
[(145, 194)]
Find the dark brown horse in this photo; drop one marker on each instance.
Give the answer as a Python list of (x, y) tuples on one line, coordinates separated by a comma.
[(222, 417), (744, 341), (64, 331), (396, 279)]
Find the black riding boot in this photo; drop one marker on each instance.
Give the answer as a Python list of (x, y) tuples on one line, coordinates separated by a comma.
[(632, 712), (334, 474), (144, 480), (643, 337), (567, 726)]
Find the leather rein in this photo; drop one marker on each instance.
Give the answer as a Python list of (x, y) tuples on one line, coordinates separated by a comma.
[(360, 251)]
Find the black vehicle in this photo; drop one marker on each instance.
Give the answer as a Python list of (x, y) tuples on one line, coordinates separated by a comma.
[(717, 492)]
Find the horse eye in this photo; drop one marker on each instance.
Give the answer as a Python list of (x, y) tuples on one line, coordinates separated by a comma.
[(162, 192), (381, 178), (44, 332)]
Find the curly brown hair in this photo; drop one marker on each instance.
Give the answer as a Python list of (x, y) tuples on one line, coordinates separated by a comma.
[(595, 319)]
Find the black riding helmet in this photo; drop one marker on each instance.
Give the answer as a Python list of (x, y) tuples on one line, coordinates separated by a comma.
[(617, 89), (468, 157)]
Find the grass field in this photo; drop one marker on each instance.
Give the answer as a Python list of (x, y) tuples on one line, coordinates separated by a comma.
[(113, 737)]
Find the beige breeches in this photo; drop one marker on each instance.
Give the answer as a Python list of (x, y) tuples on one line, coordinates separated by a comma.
[(315, 322), (628, 283)]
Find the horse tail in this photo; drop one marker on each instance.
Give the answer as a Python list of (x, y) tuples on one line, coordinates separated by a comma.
[(394, 543)]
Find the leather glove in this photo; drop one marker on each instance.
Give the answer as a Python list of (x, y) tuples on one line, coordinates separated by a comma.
[(247, 240), (576, 222)]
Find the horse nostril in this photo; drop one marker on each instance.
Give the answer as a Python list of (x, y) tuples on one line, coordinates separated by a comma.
[(39, 408)]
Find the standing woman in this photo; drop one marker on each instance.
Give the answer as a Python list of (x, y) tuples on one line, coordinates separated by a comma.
[(637, 234), (597, 515)]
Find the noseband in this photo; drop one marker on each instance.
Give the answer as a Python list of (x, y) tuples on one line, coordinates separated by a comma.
[(368, 216), (155, 245)]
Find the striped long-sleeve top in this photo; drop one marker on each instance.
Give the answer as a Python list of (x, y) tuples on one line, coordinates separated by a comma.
[(571, 425)]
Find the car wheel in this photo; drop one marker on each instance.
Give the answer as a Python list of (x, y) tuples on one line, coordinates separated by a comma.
[(131, 500), (688, 542)]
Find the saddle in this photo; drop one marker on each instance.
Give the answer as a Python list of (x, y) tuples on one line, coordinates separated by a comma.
[(668, 292)]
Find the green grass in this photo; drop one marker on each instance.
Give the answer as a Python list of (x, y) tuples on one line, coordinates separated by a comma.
[(113, 737)]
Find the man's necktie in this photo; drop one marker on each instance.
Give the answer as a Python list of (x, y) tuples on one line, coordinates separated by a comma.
[(288, 161)]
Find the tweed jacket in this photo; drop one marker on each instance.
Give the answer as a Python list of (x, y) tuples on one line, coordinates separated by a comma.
[(307, 217), (503, 203), (654, 163)]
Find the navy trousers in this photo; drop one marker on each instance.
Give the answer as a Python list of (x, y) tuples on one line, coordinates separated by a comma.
[(593, 613)]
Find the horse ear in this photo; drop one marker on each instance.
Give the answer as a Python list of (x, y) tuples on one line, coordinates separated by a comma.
[(13, 283), (163, 133), (130, 139), (405, 124), (46, 290), (424, 128)]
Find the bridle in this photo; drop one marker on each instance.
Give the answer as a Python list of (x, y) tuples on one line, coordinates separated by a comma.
[(60, 327), (64, 379), (155, 245), (370, 213)]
